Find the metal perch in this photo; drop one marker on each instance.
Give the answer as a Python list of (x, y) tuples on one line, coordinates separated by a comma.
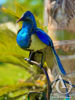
[(49, 90)]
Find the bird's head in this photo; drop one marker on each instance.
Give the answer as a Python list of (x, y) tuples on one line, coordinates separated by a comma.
[(27, 15)]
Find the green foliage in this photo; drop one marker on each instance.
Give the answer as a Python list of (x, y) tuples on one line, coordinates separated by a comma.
[(11, 53), (11, 74), (31, 5), (9, 50), (21, 8), (16, 91)]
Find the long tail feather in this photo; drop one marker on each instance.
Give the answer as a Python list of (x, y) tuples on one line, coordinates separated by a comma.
[(58, 62)]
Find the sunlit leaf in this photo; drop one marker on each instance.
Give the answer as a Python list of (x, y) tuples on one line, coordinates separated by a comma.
[(18, 13), (16, 87), (10, 52), (10, 12), (19, 9)]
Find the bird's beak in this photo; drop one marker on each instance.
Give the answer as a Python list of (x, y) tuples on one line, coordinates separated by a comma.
[(20, 19)]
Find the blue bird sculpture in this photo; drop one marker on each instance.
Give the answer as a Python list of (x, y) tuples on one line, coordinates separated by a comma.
[(33, 39)]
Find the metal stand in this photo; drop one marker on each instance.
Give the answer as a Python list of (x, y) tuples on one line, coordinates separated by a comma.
[(49, 90)]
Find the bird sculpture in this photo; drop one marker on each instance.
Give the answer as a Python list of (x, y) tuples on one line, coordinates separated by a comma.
[(34, 39)]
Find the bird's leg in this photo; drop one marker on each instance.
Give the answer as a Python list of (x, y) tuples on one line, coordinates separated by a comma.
[(49, 90), (31, 56), (31, 60), (41, 62)]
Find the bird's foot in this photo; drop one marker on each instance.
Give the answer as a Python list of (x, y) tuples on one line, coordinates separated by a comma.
[(28, 60), (32, 62), (41, 65)]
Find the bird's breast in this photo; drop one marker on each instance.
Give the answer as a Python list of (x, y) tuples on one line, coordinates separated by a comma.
[(23, 40), (36, 43)]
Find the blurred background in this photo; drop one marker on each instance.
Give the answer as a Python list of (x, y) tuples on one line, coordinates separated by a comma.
[(17, 77), (14, 71)]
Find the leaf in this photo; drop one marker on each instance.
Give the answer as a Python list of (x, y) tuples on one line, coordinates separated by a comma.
[(10, 52), (16, 87), (10, 12), (20, 9), (19, 89)]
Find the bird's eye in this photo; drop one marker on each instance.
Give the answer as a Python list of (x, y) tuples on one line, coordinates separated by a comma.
[(29, 15)]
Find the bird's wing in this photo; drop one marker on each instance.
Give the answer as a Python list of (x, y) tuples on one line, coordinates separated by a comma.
[(44, 37), (47, 40)]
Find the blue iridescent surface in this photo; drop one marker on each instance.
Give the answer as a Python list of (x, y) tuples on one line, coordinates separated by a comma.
[(29, 28)]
